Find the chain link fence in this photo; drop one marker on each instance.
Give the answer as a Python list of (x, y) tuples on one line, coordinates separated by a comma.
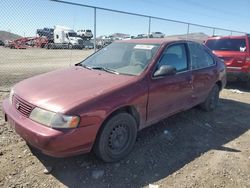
[(21, 19)]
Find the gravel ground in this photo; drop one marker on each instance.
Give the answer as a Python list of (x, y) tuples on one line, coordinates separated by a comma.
[(191, 149)]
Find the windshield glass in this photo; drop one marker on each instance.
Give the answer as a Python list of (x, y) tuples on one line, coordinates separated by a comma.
[(123, 58), (227, 45), (72, 34)]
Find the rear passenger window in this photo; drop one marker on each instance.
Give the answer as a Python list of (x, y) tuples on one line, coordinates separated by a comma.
[(200, 58), (175, 55)]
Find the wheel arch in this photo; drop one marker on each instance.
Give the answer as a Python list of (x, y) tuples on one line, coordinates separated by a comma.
[(219, 84), (130, 109)]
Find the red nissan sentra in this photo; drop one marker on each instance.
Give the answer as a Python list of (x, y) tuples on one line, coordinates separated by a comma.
[(103, 101)]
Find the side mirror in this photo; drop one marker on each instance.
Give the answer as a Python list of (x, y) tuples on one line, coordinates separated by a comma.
[(165, 70), (67, 36)]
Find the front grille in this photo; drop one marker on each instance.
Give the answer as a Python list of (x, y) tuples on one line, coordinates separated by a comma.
[(22, 106)]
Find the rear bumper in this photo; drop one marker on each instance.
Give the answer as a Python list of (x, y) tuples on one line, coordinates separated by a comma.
[(52, 142), (238, 75)]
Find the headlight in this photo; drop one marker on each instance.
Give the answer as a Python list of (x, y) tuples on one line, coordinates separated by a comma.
[(54, 120), (11, 95)]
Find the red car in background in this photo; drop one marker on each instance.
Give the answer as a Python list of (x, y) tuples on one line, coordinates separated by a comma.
[(104, 100), (235, 51)]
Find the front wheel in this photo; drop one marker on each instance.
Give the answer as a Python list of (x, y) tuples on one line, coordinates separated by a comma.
[(116, 138), (212, 100), (70, 46)]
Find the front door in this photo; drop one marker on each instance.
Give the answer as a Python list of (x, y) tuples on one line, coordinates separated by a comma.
[(170, 94)]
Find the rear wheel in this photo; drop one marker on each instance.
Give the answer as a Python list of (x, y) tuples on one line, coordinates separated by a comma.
[(248, 84), (212, 100), (116, 138)]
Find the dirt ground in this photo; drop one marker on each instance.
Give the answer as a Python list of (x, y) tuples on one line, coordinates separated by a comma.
[(16, 65), (191, 149)]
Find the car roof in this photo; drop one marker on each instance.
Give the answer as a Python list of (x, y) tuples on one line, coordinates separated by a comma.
[(227, 37), (151, 41)]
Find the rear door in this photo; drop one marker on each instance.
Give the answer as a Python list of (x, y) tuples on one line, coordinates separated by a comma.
[(204, 72), (170, 94)]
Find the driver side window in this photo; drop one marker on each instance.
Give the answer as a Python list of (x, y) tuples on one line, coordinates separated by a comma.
[(175, 55)]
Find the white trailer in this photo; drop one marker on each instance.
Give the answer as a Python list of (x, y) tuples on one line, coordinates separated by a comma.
[(65, 37)]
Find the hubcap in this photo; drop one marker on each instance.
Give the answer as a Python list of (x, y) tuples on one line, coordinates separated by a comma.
[(118, 138)]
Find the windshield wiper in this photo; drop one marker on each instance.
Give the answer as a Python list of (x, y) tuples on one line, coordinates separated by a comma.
[(85, 66), (98, 68), (105, 69)]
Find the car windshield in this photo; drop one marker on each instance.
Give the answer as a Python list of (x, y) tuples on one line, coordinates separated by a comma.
[(227, 45), (122, 58), (72, 34)]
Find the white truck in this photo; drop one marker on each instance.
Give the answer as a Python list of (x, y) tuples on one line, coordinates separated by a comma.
[(65, 37), (85, 34)]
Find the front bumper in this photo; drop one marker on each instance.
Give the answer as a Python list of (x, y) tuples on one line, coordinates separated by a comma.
[(78, 46), (52, 142)]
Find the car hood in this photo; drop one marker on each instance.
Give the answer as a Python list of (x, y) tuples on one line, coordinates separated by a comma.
[(61, 90)]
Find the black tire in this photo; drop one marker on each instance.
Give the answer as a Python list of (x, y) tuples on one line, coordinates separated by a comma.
[(212, 100), (247, 84), (116, 138), (70, 46)]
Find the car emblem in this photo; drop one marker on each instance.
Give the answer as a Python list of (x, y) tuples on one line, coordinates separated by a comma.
[(17, 106)]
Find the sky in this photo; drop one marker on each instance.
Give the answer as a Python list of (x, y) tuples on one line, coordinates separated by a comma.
[(23, 17)]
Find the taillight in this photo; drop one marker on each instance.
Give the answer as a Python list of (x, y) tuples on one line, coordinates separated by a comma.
[(248, 60), (246, 67)]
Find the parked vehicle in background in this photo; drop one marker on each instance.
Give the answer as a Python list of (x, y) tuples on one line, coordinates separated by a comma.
[(1, 43), (235, 51), (108, 97), (65, 37), (85, 34), (103, 41), (156, 35), (128, 37), (88, 44), (141, 36), (46, 32), (7, 43), (25, 42)]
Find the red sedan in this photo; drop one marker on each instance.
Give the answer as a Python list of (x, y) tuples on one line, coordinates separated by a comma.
[(103, 101)]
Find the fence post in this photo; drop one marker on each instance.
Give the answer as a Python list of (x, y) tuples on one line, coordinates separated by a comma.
[(187, 31), (149, 26), (94, 29)]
